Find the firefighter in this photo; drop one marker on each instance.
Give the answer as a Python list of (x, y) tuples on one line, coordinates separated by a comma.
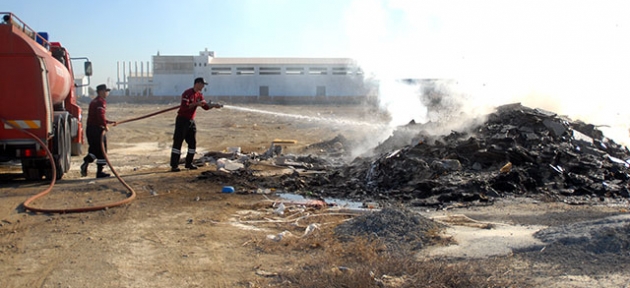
[(96, 124), (185, 128)]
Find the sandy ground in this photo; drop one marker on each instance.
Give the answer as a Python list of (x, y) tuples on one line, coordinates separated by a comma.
[(180, 232)]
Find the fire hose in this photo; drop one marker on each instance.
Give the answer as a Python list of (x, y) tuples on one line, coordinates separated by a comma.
[(131, 196)]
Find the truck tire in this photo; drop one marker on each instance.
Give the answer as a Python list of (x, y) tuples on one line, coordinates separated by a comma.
[(77, 148), (67, 146), (61, 150)]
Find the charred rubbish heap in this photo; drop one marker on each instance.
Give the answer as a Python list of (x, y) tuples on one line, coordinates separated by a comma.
[(516, 151)]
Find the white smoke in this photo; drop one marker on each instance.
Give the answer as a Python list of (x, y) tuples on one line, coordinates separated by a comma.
[(569, 58)]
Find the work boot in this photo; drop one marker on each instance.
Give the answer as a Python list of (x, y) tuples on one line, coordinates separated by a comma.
[(102, 175), (84, 167), (189, 160), (191, 167), (174, 160), (175, 169)]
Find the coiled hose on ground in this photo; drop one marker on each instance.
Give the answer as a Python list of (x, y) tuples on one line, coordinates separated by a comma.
[(132, 193)]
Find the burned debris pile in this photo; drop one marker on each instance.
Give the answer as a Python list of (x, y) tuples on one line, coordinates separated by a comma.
[(515, 151)]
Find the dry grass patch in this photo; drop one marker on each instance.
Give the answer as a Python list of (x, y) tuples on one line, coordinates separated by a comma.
[(321, 259)]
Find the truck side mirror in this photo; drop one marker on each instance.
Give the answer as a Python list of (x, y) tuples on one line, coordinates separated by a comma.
[(88, 68)]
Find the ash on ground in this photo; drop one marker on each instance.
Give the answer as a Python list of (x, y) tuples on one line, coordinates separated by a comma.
[(397, 228), (607, 235), (599, 246)]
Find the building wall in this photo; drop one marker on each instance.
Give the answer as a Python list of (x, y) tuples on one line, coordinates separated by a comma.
[(140, 85), (268, 79), (291, 81), (172, 75), (171, 84)]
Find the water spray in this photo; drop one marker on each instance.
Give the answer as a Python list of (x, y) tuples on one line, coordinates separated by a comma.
[(311, 118)]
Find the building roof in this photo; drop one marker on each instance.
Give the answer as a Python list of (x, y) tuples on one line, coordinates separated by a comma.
[(294, 61)]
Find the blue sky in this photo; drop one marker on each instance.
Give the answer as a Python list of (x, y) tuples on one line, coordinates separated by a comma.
[(408, 37), (110, 31), (566, 56)]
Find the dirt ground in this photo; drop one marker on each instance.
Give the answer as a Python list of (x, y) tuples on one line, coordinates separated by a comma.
[(182, 232)]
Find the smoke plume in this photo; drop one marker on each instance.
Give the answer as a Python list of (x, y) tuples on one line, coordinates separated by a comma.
[(567, 58)]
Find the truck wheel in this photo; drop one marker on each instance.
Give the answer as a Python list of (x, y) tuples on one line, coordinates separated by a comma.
[(60, 172), (60, 150), (67, 146)]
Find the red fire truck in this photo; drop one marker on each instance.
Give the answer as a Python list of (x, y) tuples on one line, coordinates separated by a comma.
[(37, 94)]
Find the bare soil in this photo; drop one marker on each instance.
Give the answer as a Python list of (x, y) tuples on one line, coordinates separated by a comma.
[(181, 231)]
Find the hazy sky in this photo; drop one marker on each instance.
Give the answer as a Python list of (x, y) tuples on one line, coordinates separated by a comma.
[(572, 57)]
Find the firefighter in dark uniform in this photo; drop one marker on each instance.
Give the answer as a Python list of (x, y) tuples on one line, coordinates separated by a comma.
[(96, 123), (185, 128)]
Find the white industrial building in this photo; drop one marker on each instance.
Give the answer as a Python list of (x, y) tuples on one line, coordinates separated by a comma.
[(252, 79), (81, 83)]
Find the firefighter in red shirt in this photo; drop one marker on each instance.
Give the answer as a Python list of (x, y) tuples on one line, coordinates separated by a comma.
[(185, 128), (96, 123)]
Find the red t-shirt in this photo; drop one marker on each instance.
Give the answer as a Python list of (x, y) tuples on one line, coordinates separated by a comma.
[(96, 112), (188, 97)]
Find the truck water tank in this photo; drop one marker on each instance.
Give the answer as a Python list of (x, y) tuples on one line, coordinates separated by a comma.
[(17, 42), (59, 79)]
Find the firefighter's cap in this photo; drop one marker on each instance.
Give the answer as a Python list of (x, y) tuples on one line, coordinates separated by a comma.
[(102, 87), (200, 80)]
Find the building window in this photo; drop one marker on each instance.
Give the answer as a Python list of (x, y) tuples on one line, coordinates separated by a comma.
[(294, 71), (340, 71), (264, 91), (245, 71), (317, 71), (205, 64), (269, 71), (221, 70)]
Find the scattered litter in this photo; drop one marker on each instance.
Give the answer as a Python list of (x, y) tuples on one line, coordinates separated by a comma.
[(506, 168), (370, 205), (150, 189), (310, 228), (264, 273), (278, 237), (229, 165), (227, 189), (280, 209), (265, 191), (463, 220), (234, 150), (389, 281)]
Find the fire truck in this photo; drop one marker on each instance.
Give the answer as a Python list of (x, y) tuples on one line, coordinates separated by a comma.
[(37, 95)]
